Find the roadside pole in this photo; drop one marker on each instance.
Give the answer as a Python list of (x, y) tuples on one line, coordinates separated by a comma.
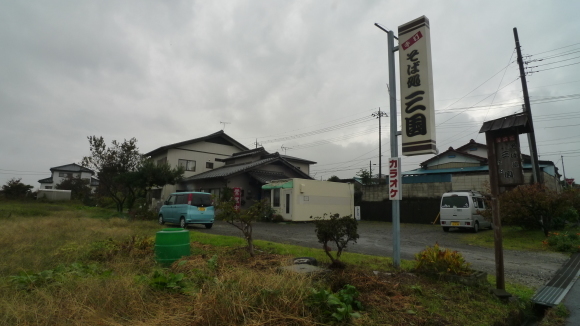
[(396, 208), (396, 204)]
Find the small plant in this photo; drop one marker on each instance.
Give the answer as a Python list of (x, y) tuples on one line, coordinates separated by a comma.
[(340, 230), (434, 260), (62, 273), (563, 241), (167, 281), (338, 306)]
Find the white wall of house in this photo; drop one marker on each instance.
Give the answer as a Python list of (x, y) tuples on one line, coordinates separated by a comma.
[(304, 167), (204, 155), (479, 150), (457, 158), (59, 176)]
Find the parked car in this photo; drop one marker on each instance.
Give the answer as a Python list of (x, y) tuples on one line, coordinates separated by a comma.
[(184, 208), (460, 209)]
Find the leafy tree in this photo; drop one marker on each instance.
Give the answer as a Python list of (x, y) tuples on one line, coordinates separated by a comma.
[(14, 189), (241, 219), (334, 179), (365, 176), (532, 207), (340, 230), (147, 176), (80, 188), (111, 163)]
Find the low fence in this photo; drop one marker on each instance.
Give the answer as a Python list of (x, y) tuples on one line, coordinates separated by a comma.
[(413, 210)]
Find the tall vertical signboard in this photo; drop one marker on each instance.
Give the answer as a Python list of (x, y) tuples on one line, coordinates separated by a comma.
[(416, 73)]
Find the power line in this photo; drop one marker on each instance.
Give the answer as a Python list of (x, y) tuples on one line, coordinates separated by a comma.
[(567, 46)]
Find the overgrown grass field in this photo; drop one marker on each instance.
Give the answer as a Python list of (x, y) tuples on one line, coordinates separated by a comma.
[(64, 264)]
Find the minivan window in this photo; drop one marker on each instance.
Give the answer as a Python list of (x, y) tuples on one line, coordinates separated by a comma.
[(171, 200), (181, 199), (201, 200), (455, 201)]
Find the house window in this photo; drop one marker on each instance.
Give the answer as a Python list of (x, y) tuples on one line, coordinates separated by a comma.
[(209, 165), (276, 199), (162, 161), (48, 187), (65, 175), (187, 165)]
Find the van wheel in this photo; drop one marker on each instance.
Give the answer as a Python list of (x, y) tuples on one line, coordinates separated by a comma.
[(476, 227), (208, 225), (445, 229), (182, 223), (161, 221)]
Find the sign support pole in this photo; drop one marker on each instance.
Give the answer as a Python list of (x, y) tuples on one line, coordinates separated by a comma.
[(396, 204)]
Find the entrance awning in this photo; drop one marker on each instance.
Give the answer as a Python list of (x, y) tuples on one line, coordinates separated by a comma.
[(279, 184)]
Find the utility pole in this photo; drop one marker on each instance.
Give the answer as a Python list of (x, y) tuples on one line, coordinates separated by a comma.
[(370, 170), (378, 115), (528, 110), (396, 204), (564, 171)]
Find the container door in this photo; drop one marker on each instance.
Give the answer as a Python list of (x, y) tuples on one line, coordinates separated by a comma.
[(286, 199)]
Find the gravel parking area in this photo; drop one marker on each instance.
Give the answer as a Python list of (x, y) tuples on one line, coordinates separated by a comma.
[(524, 267)]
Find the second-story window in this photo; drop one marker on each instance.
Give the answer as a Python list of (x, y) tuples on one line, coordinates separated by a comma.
[(209, 165), (188, 165)]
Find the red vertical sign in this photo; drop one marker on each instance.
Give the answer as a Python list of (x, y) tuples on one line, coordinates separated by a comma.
[(237, 198), (395, 182)]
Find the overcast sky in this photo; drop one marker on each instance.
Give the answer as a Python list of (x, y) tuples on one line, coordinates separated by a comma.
[(169, 71)]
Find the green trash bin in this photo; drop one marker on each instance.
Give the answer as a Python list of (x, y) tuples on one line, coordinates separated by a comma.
[(171, 244)]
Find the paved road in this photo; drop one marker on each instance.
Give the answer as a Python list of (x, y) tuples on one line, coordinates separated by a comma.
[(530, 268)]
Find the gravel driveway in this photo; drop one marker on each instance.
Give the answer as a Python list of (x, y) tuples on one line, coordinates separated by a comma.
[(530, 268)]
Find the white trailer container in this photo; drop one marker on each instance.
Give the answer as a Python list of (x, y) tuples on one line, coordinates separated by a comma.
[(299, 199), (53, 194)]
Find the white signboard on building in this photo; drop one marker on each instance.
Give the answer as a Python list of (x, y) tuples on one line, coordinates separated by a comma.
[(417, 104), (395, 181)]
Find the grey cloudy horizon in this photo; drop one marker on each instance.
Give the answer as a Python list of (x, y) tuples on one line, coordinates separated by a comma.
[(166, 72)]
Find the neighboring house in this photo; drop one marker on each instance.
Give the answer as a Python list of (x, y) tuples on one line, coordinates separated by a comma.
[(72, 170), (463, 168), (248, 170), (466, 168), (196, 156)]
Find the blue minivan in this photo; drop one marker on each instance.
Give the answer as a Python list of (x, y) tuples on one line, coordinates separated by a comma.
[(185, 208)]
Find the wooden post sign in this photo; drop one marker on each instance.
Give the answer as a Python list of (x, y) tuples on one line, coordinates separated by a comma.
[(508, 159), (505, 170)]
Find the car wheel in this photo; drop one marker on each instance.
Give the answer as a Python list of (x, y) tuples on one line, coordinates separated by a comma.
[(476, 227), (445, 229), (182, 223), (161, 221), (208, 225)]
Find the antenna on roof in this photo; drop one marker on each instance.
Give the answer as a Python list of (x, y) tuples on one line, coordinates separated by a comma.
[(257, 144), (224, 123), (285, 148)]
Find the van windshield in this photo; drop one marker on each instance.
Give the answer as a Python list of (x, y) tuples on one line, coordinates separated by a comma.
[(455, 201), (201, 200)]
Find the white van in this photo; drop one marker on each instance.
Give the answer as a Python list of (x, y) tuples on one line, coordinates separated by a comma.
[(459, 209)]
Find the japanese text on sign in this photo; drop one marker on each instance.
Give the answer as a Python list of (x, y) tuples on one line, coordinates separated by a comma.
[(237, 198), (416, 78), (395, 182)]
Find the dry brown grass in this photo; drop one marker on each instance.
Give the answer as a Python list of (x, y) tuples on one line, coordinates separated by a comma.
[(237, 290)]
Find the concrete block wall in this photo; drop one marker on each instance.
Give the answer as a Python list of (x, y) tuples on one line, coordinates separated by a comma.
[(470, 182)]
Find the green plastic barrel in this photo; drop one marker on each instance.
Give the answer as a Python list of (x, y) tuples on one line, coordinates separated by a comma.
[(171, 244)]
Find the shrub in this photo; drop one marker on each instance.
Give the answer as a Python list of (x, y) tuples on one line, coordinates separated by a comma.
[(340, 230), (563, 241), (433, 260)]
